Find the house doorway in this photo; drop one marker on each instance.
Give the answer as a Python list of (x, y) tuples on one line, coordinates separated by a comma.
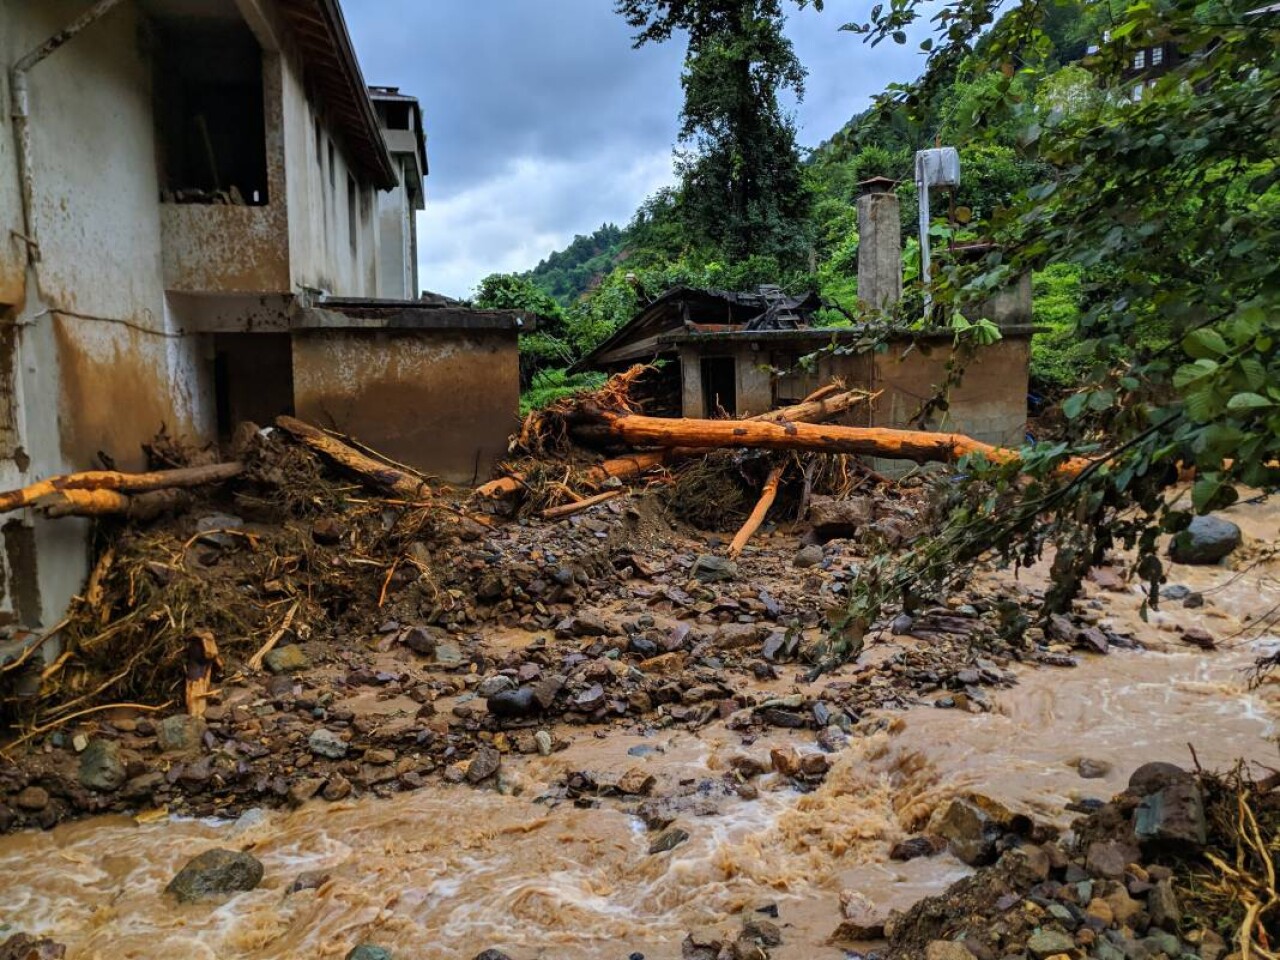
[(253, 378), (719, 386)]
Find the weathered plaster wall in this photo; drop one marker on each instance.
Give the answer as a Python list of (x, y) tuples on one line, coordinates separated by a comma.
[(442, 401), (99, 363), (396, 254), (12, 258), (320, 252)]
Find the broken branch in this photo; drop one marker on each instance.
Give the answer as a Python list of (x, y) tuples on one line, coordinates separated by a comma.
[(117, 482), (378, 474), (569, 509), (767, 496)]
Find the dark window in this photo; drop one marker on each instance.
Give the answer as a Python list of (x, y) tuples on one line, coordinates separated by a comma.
[(333, 167), (352, 226), (210, 113), (719, 386)]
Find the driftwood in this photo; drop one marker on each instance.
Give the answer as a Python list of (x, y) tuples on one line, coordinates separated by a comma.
[(256, 661), (825, 403), (102, 503), (767, 496), (202, 660), (72, 485), (916, 445), (569, 509), (382, 475)]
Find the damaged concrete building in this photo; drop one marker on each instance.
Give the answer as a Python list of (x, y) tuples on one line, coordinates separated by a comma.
[(740, 354), (207, 216)]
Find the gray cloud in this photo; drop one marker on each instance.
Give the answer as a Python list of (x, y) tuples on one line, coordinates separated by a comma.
[(544, 123)]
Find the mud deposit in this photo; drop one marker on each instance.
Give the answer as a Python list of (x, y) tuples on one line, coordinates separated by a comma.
[(527, 866)]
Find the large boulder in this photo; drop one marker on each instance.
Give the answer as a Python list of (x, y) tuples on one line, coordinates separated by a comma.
[(216, 872), (101, 768), (836, 519), (969, 832), (1207, 540), (1173, 817)]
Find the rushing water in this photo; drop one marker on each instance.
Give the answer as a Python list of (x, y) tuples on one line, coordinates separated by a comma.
[(449, 871)]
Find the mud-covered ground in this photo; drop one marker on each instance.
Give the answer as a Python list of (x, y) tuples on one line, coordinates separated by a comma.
[(616, 743)]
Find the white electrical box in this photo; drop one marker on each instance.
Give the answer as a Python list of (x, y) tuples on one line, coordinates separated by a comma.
[(939, 167)]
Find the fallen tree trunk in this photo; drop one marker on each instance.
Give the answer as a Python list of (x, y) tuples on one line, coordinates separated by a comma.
[(103, 503), (569, 509), (379, 474), (818, 406), (767, 496), (916, 445), (120, 483)]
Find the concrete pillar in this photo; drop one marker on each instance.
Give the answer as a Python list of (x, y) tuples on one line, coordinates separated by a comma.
[(879, 245)]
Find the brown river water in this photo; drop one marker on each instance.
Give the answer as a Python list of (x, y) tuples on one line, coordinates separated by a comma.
[(448, 871)]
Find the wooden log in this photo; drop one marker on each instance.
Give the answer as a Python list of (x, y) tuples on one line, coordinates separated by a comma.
[(379, 474), (767, 495), (122, 483), (818, 406), (202, 660), (569, 509), (102, 503), (915, 445)]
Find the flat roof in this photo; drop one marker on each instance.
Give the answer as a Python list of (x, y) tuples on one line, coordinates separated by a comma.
[(355, 313)]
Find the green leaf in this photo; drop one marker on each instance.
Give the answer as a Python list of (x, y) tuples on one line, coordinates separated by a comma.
[(1074, 405), (1205, 342), (1244, 402)]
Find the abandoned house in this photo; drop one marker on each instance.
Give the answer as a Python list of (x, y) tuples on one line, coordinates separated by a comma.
[(738, 354), (207, 216)]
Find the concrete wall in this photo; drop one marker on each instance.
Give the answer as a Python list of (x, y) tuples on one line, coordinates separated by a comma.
[(397, 271), (443, 401), (98, 363), (753, 382)]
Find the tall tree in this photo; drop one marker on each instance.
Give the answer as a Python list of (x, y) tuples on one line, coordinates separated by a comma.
[(743, 191)]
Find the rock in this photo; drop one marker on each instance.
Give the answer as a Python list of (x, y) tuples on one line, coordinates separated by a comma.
[(287, 659), (308, 880), (32, 799), (484, 764), (1173, 816), (1048, 943), (101, 768), (712, 569), (379, 756), (946, 950), (545, 744), (704, 944), (1124, 909), (1206, 540), (590, 699), (1199, 637), (513, 704), (1162, 904), (211, 529), (325, 743), (1153, 777), (863, 920), (300, 791), (780, 645), (915, 847), (420, 640), (180, 733), (785, 760), (832, 518), (1029, 864), (668, 840), (448, 654), (216, 872), (970, 833), (367, 951), (492, 686), (491, 954), (809, 556), (1092, 769), (636, 782), (22, 946), (338, 788), (1108, 858)]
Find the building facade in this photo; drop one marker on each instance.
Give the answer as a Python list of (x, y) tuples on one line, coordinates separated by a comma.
[(179, 181)]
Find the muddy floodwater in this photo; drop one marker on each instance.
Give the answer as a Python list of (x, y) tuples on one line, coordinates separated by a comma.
[(448, 871)]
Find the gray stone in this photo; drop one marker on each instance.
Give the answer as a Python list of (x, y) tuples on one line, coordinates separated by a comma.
[(288, 659), (1093, 769), (667, 840), (832, 518), (970, 833), (1153, 777), (367, 951), (1108, 858), (211, 527), (448, 654), (712, 569), (1173, 816), (1207, 540), (180, 733), (1047, 943), (1162, 904), (809, 556), (216, 872), (947, 950), (492, 954), (101, 768), (491, 686), (325, 743), (484, 764), (512, 704)]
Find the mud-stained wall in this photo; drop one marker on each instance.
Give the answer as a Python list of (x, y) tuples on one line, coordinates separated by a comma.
[(989, 404), (12, 253), (235, 249), (443, 401)]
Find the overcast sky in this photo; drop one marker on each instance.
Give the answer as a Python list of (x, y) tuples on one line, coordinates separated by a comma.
[(543, 123)]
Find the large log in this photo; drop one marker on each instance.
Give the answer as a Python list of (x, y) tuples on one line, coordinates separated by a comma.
[(382, 475), (916, 445), (121, 483), (818, 406)]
